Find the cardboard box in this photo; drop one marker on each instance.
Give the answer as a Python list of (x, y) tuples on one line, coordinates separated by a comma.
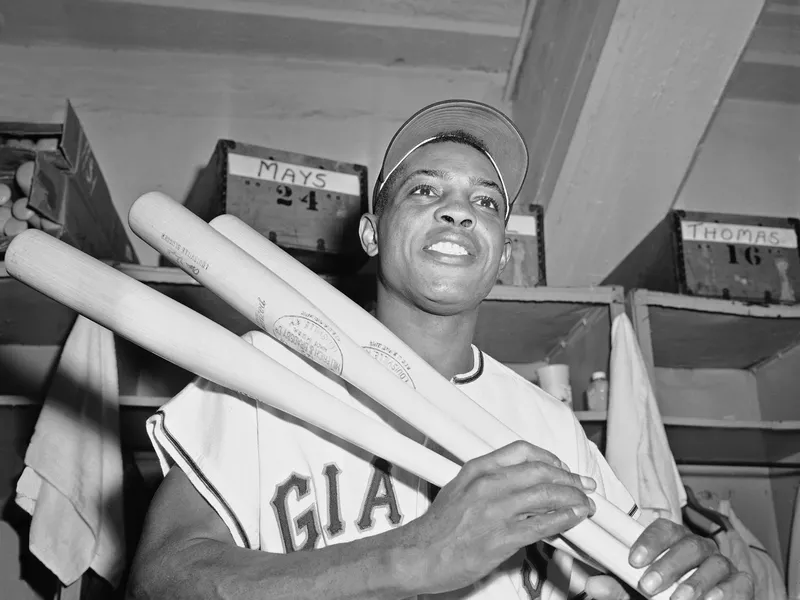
[(68, 188), (307, 205), (717, 255), (526, 267)]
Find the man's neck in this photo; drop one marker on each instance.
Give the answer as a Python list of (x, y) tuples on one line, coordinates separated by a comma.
[(444, 342)]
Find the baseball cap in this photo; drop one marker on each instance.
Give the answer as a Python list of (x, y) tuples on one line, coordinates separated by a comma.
[(500, 139)]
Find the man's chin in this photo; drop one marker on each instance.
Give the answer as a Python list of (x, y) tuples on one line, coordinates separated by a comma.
[(451, 298)]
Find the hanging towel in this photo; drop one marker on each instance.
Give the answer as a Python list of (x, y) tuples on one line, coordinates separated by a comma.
[(746, 552), (637, 448), (72, 481)]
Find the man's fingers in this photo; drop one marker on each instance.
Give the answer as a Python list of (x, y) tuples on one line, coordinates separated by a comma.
[(710, 572), (738, 587), (526, 475), (539, 526), (657, 537), (517, 453), (686, 554), (546, 498)]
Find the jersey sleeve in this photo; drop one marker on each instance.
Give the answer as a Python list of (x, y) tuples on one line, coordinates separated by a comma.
[(210, 433), (593, 464)]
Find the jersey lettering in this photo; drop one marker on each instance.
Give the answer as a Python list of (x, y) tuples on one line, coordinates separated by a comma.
[(306, 527), (534, 569), (380, 493), (306, 522), (335, 525)]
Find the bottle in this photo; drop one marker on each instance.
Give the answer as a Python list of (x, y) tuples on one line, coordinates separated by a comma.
[(597, 392)]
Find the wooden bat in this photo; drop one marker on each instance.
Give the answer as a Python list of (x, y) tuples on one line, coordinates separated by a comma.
[(398, 357), (282, 312), (179, 335)]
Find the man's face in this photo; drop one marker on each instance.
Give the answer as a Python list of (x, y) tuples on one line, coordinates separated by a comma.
[(441, 236)]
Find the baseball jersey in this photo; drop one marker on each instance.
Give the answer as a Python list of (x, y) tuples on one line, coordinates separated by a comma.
[(281, 485)]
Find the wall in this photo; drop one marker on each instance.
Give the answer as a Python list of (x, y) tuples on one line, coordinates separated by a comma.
[(748, 163), (153, 118)]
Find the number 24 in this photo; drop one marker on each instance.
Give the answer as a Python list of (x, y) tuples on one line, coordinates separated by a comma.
[(285, 197)]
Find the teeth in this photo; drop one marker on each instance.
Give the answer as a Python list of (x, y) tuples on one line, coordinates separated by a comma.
[(449, 248)]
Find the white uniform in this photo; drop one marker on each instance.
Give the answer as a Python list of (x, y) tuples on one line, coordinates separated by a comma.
[(282, 486)]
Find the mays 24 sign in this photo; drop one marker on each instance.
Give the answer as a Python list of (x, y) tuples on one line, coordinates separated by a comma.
[(308, 205)]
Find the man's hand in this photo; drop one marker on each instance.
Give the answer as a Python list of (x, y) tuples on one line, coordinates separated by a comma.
[(498, 503), (715, 578)]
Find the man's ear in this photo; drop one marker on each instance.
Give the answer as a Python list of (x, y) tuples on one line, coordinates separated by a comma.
[(368, 233), (505, 256)]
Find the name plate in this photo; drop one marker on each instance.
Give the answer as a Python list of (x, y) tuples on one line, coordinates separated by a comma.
[(729, 233)]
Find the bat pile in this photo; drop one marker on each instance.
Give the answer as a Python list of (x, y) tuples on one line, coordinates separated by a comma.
[(272, 289)]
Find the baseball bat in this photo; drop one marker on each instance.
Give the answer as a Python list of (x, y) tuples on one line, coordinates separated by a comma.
[(398, 357), (189, 340), (181, 336), (264, 298), (271, 304), (367, 332)]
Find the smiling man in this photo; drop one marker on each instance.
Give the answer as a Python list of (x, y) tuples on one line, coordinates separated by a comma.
[(257, 505)]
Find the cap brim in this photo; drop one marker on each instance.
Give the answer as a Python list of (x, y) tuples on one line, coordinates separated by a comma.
[(497, 133)]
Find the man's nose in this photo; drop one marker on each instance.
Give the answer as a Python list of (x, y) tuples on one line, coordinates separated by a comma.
[(456, 211)]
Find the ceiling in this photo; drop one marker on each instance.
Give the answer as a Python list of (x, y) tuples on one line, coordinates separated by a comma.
[(770, 67), (479, 35), (461, 34)]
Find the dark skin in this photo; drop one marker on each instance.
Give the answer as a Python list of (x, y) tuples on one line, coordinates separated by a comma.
[(440, 242)]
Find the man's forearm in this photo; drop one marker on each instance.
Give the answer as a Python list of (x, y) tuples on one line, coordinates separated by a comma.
[(376, 567)]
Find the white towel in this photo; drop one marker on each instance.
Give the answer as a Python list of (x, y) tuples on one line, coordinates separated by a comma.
[(72, 481), (636, 444), (748, 554)]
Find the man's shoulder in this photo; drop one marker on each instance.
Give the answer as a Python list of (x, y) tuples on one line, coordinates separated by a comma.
[(510, 382)]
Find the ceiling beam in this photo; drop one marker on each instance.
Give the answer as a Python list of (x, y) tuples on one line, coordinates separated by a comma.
[(559, 48), (420, 14), (480, 37), (658, 81)]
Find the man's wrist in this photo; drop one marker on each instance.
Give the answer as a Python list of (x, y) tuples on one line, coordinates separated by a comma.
[(405, 564)]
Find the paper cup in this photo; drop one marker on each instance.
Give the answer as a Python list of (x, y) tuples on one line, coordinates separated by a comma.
[(554, 379)]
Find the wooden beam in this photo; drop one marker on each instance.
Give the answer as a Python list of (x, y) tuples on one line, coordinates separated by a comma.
[(422, 14), (658, 82), (515, 68), (343, 31), (564, 39)]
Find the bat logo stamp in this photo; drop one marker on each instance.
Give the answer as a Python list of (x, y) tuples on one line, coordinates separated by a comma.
[(311, 340), (392, 360)]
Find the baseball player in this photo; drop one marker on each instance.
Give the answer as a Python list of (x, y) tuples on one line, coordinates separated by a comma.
[(256, 504)]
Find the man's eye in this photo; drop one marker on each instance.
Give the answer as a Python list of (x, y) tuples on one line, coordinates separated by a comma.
[(423, 190), (488, 202)]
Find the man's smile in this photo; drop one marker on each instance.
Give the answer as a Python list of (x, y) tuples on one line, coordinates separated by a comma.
[(449, 248)]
